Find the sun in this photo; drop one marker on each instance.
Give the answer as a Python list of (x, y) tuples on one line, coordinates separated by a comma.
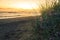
[(25, 5)]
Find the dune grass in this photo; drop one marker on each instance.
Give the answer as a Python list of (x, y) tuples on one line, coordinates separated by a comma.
[(49, 27)]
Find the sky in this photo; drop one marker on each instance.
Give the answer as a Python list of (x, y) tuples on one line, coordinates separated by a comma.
[(25, 4), (11, 3)]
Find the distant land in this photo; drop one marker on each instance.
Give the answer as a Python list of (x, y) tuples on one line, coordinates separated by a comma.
[(15, 10), (8, 10)]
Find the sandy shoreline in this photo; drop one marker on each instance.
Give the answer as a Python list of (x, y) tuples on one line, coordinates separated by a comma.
[(17, 15), (3, 21)]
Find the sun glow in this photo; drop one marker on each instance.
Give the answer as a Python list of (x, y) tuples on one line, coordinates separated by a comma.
[(25, 5)]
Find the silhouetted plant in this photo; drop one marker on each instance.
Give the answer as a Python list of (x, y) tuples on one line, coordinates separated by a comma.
[(50, 23)]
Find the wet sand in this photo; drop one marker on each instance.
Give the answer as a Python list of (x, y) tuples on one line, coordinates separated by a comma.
[(19, 28)]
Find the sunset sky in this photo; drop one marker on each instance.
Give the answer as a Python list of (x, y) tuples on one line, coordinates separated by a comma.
[(24, 4), (18, 3)]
